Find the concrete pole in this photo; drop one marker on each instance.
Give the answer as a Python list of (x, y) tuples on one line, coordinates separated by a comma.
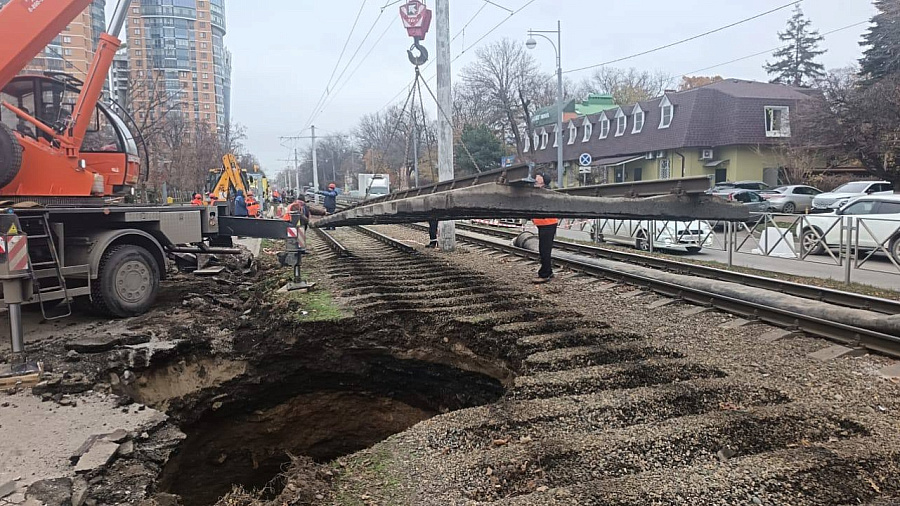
[(315, 164), (447, 229), (559, 108), (297, 170)]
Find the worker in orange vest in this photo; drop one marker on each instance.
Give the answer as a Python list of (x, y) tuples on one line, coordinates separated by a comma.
[(546, 234), (198, 200), (298, 213), (252, 206)]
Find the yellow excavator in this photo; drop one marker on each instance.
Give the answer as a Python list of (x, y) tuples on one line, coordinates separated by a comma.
[(225, 182)]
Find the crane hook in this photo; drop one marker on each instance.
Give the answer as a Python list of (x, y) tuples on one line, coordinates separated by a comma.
[(419, 59)]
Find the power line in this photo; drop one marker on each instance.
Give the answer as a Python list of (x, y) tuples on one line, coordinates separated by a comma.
[(769, 50), (682, 41)]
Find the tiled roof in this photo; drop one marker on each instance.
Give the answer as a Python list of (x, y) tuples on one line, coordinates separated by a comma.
[(729, 112)]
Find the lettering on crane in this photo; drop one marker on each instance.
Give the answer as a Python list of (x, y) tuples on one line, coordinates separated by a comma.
[(34, 4)]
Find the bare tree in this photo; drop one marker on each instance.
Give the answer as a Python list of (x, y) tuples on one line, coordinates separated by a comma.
[(629, 86), (691, 82)]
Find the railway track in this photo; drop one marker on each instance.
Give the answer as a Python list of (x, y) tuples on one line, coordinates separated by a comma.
[(593, 415), (850, 335)]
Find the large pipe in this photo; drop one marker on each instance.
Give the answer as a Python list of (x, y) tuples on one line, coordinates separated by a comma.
[(16, 329)]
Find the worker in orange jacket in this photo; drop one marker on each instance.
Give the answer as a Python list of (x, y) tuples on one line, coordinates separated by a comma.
[(252, 206), (546, 234), (198, 200)]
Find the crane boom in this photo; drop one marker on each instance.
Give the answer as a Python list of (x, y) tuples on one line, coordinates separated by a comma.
[(28, 26)]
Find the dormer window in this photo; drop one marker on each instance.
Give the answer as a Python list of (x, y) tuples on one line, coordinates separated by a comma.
[(527, 144), (667, 112), (556, 134), (621, 123), (778, 121), (544, 137), (588, 130), (536, 142), (604, 127), (573, 132), (638, 114)]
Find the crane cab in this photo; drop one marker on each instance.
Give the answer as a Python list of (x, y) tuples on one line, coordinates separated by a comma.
[(107, 162)]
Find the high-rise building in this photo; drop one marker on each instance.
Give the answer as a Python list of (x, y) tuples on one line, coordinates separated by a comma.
[(177, 51), (119, 77), (72, 51)]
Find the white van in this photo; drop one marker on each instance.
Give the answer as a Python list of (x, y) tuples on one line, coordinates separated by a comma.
[(685, 236)]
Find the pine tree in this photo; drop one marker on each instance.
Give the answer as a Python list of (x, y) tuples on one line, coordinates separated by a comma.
[(795, 63), (882, 57)]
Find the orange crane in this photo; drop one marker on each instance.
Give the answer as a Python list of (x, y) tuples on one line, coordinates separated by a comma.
[(64, 143)]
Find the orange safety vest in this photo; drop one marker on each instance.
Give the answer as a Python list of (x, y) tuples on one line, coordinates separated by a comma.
[(543, 222)]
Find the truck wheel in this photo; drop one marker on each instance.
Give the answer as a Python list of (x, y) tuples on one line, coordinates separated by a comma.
[(10, 155), (127, 283)]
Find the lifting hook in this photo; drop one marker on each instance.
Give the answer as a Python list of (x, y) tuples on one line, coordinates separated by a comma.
[(422, 57)]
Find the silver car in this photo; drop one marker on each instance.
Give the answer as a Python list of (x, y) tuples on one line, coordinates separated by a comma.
[(830, 201), (791, 199)]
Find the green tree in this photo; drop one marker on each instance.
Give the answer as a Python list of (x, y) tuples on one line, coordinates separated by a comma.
[(882, 57), (483, 147), (795, 62)]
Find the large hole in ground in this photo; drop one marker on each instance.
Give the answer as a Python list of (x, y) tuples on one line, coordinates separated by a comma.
[(323, 406)]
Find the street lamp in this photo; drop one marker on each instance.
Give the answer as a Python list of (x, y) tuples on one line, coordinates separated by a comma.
[(531, 44)]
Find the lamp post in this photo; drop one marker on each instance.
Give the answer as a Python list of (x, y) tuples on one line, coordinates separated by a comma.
[(531, 44)]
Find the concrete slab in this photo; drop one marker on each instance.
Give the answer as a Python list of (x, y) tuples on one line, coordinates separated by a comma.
[(251, 244), (891, 372), (735, 323), (696, 310), (662, 303), (99, 455), (835, 352), (776, 335)]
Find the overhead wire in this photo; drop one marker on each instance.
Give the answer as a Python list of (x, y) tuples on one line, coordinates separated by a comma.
[(682, 41)]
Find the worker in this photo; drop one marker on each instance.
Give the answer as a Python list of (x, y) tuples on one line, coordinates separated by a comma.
[(276, 196), (240, 204), (546, 234), (252, 205), (298, 213), (330, 200), (432, 233), (198, 200)]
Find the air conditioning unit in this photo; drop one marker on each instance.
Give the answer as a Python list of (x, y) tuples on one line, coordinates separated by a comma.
[(706, 154), (660, 154), (649, 156)]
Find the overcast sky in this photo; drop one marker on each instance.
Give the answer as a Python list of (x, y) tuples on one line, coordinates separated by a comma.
[(285, 50)]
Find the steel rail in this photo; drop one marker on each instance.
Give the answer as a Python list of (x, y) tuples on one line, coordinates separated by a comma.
[(333, 243), (849, 335), (390, 241), (822, 294)]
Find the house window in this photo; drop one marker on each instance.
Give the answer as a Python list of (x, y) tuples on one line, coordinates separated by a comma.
[(638, 119), (527, 144), (666, 113), (137, 31), (556, 134), (588, 130), (665, 168), (573, 132), (778, 121), (544, 137), (604, 127), (67, 40), (621, 123), (535, 142)]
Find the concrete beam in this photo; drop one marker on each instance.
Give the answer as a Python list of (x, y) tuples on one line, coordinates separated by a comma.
[(495, 200)]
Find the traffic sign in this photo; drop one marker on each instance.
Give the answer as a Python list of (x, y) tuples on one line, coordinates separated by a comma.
[(585, 160), (584, 170)]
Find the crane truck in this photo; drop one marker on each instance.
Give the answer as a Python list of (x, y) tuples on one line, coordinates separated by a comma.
[(67, 162)]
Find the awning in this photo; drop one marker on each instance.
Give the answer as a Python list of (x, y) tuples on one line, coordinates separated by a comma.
[(616, 161), (715, 163)]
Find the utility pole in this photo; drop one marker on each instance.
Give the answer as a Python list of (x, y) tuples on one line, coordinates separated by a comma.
[(297, 171), (315, 164), (447, 229)]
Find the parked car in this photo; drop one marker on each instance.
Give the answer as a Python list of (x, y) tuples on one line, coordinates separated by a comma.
[(790, 199), (728, 187), (880, 226), (752, 200), (689, 237), (830, 201)]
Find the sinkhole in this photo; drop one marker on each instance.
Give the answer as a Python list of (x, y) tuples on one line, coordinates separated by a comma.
[(244, 419)]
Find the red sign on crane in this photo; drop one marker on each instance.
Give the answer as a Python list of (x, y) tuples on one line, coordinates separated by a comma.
[(416, 19)]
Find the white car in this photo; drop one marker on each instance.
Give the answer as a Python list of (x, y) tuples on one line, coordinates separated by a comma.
[(835, 199), (878, 226), (690, 237)]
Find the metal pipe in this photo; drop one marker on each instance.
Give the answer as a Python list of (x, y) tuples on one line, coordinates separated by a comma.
[(559, 105), (16, 329), (118, 18), (849, 239)]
